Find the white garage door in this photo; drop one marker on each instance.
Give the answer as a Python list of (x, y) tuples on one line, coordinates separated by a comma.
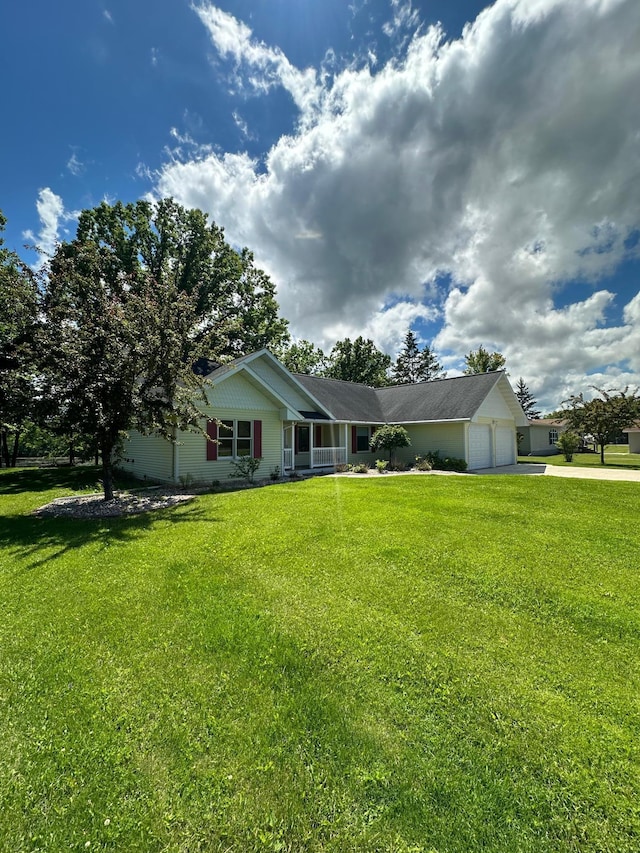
[(505, 446), (479, 446)]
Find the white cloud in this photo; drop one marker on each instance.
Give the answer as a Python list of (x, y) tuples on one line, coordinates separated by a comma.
[(51, 213), (75, 165), (505, 162)]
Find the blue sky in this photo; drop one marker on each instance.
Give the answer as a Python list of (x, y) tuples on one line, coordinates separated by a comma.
[(473, 173)]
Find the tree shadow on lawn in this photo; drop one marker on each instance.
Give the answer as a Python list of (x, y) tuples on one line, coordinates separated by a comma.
[(46, 539), (16, 481)]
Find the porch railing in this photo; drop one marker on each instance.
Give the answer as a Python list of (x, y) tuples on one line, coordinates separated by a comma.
[(322, 456), (288, 457)]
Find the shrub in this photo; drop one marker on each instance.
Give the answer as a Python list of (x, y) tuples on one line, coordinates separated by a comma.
[(275, 474), (422, 464), (359, 468), (448, 463), (245, 467), (389, 437), (398, 466), (568, 443), (381, 465), (342, 468)]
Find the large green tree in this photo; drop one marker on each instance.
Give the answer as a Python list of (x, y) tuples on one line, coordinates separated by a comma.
[(603, 417), (173, 245), (19, 301), (483, 361), (526, 400), (120, 345), (359, 361), (414, 364), (304, 357)]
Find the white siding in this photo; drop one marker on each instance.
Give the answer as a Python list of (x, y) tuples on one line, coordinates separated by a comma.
[(148, 457), (446, 439), (238, 392), (296, 399), (494, 406)]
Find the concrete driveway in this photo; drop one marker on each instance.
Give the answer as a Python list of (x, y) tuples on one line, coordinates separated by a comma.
[(540, 469)]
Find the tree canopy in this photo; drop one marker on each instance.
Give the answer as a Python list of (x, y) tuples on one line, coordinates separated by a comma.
[(483, 361), (176, 246), (526, 400), (18, 340), (603, 417), (120, 349), (416, 365), (304, 357), (359, 361)]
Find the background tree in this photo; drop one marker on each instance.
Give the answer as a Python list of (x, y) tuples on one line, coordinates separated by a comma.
[(304, 357), (526, 400), (359, 361), (483, 361), (120, 347), (389, 437), (172, 245), (568, 443), (19, 301), (603, 417), (415, 365)]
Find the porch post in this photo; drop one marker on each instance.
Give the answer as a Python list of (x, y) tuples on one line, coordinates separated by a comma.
[(311, 448)]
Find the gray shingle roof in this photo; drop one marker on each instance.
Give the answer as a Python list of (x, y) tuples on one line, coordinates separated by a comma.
[(443, 399), (346, 401), (440, 400)]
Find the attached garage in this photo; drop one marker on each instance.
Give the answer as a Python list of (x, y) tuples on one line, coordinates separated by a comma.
[(505, 446), (479, 446)]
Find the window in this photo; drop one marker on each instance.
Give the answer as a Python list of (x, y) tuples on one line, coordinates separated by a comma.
[(235, 439), (362, 440), (553, 436)]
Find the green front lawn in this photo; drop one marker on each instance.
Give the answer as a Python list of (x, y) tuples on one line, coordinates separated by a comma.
[(615, 456), (384, 664)]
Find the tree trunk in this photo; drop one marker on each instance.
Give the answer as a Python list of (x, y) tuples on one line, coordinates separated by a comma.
[(5, 449), (72, 450), (602, 452), (107, 471), (14, 453)]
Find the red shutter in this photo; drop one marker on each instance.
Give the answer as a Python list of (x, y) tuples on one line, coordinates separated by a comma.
[(212, 446), (257, 439), (354, 439), (318, 438)]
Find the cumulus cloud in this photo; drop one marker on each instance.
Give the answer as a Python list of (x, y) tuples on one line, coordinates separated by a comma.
[(473, 179), (51, 213)]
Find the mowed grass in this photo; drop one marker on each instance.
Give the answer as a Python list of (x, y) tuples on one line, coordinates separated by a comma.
[(615, 456), (392, 664)]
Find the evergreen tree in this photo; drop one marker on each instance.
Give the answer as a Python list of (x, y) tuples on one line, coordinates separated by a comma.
[(415, 365), (526, 400), (406, 370)]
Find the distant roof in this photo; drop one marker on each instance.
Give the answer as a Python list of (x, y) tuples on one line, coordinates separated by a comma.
[(547, 421)]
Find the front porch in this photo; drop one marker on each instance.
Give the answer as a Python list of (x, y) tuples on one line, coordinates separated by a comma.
[(309, 445)]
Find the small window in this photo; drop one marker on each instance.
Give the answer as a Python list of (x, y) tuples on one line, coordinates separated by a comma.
[(235, 439), (362, 439), (553, 436)]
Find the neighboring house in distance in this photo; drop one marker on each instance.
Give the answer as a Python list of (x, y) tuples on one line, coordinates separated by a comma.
[(540, 436), (297, 422), (633, 434)]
